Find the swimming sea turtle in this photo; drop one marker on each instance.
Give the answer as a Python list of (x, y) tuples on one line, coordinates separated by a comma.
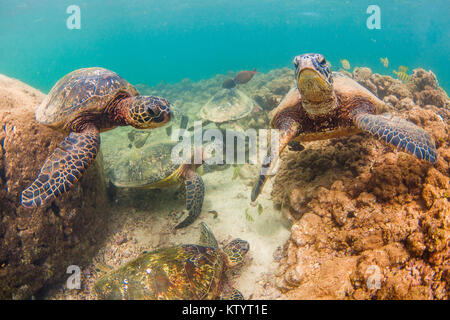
[(153, 168), (184, 272), (227, 105), (328, 105), (84, 103)]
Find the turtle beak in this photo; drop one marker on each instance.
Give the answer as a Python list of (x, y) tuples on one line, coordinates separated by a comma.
[(310, 81), (163, 118)]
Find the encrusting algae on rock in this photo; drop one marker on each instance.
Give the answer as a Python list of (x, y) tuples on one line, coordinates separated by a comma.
[(39, 244)]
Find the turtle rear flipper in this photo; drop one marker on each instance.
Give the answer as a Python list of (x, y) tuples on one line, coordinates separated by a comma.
[(398, 132), (195, 193), (234, 294), (207, 237), (63, 168)]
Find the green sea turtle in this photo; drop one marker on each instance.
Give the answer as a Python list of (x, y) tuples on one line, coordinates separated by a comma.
[(138, 138), (327, 105), (153, 167), (84, 103), (227, 105), (184, 272)]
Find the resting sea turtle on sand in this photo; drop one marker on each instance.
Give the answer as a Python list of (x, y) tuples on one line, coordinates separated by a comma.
[(327, 105), (84, 103), (227, 105), (152, 168), (187, 272)]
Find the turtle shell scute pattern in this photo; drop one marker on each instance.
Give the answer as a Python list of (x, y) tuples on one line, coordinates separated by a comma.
[(150, 165), (183, 272), (227, 105), (83, 90)]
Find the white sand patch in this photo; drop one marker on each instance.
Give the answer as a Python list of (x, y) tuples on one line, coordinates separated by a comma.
[(151, 228)]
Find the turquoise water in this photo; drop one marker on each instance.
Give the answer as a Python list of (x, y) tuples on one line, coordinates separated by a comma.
[(153, 41)]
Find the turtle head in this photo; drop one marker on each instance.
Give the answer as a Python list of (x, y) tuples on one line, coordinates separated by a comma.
[(144, 112), (235, 252), (315, 83)]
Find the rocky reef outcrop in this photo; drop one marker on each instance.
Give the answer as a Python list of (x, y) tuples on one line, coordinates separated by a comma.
[(369, 222), (37, 246)]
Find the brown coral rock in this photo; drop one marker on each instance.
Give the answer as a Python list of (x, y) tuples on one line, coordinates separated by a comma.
[(38, 245), (372, 222)]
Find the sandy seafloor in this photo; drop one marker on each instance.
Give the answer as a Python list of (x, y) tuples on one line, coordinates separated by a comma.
[(148, 226), (143, 220)]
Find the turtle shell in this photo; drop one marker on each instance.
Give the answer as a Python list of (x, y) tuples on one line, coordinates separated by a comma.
[(88, 90), (146, 167), (190, 272), (349, 90), (227, 105)]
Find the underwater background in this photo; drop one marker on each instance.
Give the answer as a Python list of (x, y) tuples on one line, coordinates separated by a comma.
[(153, 41), (339, 215)]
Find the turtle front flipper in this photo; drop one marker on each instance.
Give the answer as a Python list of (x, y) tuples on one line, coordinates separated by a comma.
[(398, 132), (289, 128), (195, 193), (63, 168)]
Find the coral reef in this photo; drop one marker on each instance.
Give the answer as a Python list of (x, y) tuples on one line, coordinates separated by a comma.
[(369, 222), (266, 89), (38, 245), (365, 221)]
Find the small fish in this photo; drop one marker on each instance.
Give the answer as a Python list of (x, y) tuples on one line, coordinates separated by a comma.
[(213, 212), (260, 209), (229, 84), (385, 62), (345, 64), (169, 131), (248, 216), (403, 69), (295, 146), (139, 143), (402, 76), (235, 173), (244, 76), (103, 268), (436, 82), (131, 135)]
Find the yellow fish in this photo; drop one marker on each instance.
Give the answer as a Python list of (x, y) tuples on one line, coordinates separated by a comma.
[(402, 75), (385, 62), (345, 64), (403, 69)]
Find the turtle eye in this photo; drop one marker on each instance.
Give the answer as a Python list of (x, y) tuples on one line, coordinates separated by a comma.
[(150, 112), (322, 60)]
